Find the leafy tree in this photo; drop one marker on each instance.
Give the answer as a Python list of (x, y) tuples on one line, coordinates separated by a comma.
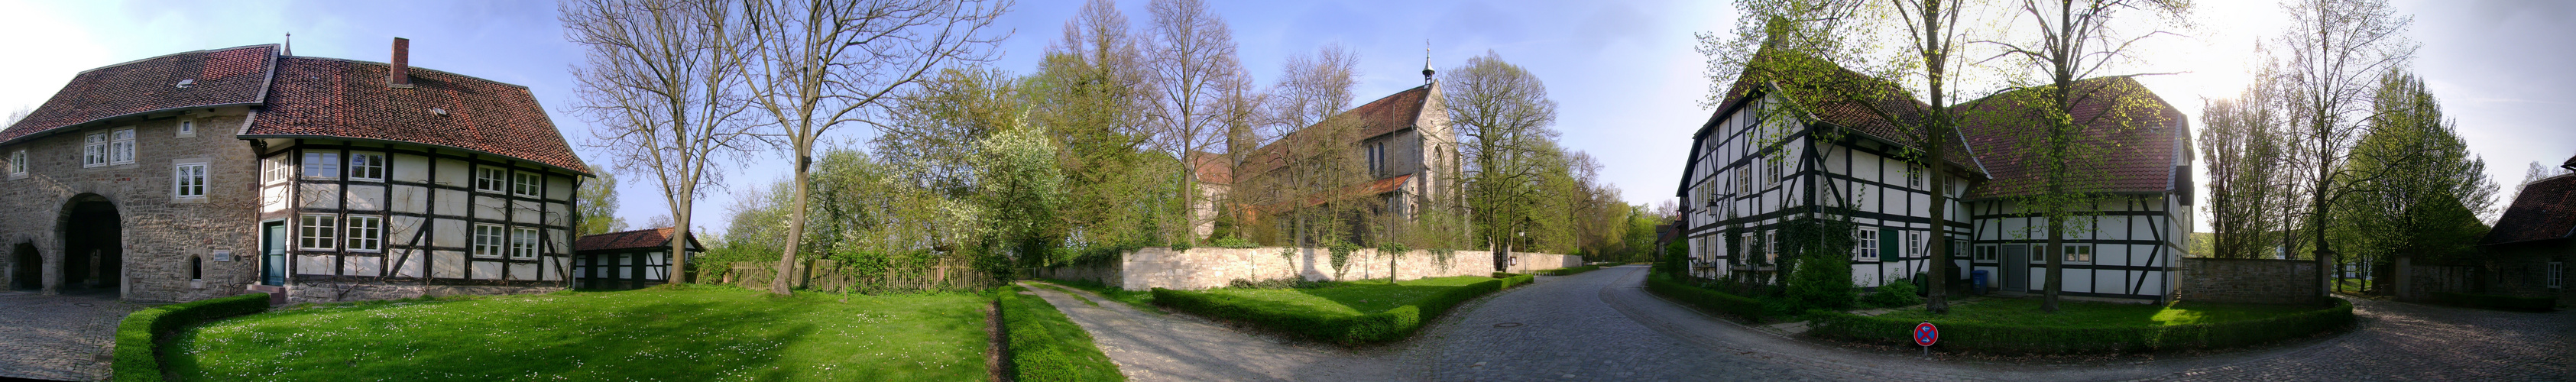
[(2427, 191), (1502, 113), (596, 205)]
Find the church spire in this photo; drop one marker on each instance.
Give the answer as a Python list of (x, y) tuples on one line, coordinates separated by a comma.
[(1426, 61)]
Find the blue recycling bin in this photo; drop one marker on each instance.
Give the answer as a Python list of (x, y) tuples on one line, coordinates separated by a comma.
[(1978, 278)]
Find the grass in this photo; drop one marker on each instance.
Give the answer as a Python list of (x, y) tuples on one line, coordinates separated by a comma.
[(1046, 346), (1139, 299), (700, 333), (1352, 297), (2073, 314)]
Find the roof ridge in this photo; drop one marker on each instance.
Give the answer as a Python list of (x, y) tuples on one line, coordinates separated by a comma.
[(413, 68), (130, 62)]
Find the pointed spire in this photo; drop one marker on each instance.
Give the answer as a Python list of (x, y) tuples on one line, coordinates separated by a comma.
[(1426, 61), (290, 44)]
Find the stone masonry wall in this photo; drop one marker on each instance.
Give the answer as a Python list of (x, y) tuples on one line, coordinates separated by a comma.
[(162, 234), (2257, 281), (1206, 268)]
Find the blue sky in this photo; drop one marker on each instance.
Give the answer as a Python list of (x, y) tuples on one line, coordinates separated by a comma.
[(1623, 72)]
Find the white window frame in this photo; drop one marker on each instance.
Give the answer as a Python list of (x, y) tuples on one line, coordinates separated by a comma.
[(490, 179), (321, 165), (523, 242), (1987, 253), (1744, 180), (187, 128), (528, 184), (94, 149), (316, 232), (1770, 247), (2072, 251), (1914, 244), (366, 233), (1913, 176), (188, 180), (121, 147), (18, 162), (1867, 238), (367, 166), (2557, 275), (489, 239), (275, 169)]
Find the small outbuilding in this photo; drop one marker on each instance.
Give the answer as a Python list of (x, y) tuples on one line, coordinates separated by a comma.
[(626, 260)]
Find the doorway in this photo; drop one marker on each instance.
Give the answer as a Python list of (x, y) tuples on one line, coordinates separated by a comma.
[(272, 253), (2017, 267), (93, 245), (27, 269)]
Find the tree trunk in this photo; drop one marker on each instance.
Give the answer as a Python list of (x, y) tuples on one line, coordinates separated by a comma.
[(795, 223), (2056, 261)]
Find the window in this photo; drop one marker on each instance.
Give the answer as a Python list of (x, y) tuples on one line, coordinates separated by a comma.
[(275, 170), (2557, 274), (187, 128), (490, 179), (18, 162), (2079, 253), (1744, 180), (94, 150), (321, 165), (315, 231), (523, 243), (1868, 239), (487, 240), (190, 180), (120, 148), (1770, 249), (1377, 158), (1913, 176), (1745, 244), (1778, 170), (366, 233), (367, 166), (196, 268), (525, 183), (1985, 254), (1914, 243)]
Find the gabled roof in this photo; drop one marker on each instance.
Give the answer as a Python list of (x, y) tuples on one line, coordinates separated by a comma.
[(1211, 167), (1872, 107), (642, 238), (2144, 138), (1385, 115), (333, 98), (217, 77), (2546, 210)]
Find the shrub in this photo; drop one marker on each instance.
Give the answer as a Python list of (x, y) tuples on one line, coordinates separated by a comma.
[(138, 337), (1822, 282), (1895, 294), (2017, 339), (1513, 280), (1233, 242), (1703, 298), (1046, 346), (1390, 325), (2489, 301)]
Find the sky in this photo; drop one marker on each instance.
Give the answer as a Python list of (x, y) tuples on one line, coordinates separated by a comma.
[(1624, 73)]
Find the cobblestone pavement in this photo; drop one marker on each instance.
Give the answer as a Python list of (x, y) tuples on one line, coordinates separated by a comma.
[(1159, 347), (63, 337)]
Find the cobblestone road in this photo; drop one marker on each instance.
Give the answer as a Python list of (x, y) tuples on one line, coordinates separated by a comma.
[(62, 337)]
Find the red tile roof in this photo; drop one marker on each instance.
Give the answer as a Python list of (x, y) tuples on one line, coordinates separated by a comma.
[(1212, 168), (642, 238), (321, 97), (219, 77), (2546, 210), (2144, 138), (1385, 115), (1835, 95)]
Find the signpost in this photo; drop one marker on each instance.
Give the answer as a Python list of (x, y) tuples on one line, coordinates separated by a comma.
[(1925, 334)]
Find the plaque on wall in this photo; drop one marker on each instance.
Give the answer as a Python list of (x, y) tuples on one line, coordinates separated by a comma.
[(221, 255)]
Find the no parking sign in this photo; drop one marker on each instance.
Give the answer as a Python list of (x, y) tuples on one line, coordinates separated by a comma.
[(1925, 334)]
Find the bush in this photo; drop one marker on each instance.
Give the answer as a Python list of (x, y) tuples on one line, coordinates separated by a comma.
[(1895, 294), (1234, 242), (1393, 324), (138, 338), (1046, 346), (1704, 298), (1822, 282), (2019, 339), (1513, 280), (1569, 271), (2489, 301)]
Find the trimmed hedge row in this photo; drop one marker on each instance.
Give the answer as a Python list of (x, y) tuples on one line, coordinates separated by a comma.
[(1570, 271), (1390, 325), (1704, 298), (2023, 339), (1047, 346), (138, 337), (2489, 301)]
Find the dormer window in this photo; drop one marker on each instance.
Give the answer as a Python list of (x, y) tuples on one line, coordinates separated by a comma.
[(187, 83)]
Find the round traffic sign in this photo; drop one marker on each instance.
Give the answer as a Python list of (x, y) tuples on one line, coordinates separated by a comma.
[(1925, 334)]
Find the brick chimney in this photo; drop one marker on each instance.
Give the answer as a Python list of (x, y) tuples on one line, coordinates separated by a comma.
[(401, 74)]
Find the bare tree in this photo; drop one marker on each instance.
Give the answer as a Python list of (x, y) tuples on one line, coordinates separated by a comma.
[(813, 65), (661, 85), (1297, 165), (1193, 60), (2338, 49), (1503, 116)]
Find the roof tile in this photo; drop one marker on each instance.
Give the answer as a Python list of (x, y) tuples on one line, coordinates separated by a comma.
[(321, 97), (229, 76)]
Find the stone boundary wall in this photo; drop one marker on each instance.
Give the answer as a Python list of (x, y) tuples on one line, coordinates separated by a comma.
[(1208, 268), (2418, 283), (2256, 281)]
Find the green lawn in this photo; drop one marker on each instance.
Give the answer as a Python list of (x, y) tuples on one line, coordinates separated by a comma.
[(703, 333), (1351, 297), (2094, 314)]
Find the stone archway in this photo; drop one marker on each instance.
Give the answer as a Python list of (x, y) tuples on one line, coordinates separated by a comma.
[(26, 267), (93, 250)]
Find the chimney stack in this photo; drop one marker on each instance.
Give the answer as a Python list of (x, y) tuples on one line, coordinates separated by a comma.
[(401, 74)]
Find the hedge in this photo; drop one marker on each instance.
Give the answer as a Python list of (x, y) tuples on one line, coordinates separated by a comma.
[(1390, 325), (1570, 271), (1704, 298), (1046, 346), (2489, 301), (138, 338), (1514, 280), (2026, 339)]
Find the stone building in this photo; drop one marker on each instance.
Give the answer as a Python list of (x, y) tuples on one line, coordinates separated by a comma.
[(1402, 144), (204, 174), (2527, 252)]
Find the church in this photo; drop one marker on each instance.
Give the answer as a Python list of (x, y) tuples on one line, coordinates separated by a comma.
[(218, 172)]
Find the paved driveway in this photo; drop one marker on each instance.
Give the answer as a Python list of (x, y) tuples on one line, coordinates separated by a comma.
[(62, 337)]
